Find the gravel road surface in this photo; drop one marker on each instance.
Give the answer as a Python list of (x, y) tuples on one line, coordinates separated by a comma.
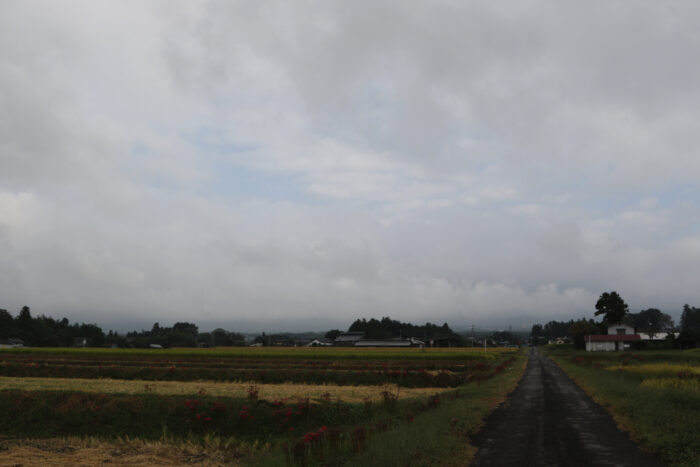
[(550, 421)]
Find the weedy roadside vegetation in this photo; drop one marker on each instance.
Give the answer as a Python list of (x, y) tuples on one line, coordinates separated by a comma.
[(654, 396), (388, 407)]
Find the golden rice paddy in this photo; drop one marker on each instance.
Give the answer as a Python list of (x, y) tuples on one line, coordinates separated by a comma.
[(678, 383), (659, 369), (665, 375), (75, 451), (315, 392)]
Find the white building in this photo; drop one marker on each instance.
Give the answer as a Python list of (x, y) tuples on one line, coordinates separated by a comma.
[(619, 337)]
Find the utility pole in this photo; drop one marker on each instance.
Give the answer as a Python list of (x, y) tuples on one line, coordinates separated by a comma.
[(472, 334)]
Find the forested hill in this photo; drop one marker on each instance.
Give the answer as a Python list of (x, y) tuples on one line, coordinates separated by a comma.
[(388, 328)]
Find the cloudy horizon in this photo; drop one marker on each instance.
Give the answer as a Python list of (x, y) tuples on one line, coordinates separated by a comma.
[(297, 165)]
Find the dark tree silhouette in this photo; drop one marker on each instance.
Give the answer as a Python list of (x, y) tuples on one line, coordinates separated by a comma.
[(690, 323), (612, 307), (651, 321)]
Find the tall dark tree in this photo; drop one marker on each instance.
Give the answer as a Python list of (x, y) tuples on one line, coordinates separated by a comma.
[(690, 323), (221, 337), (25, 315), (25, 325), (6, 324), (651, 321), (537, 335), (183, 334), (612, 307), (93, 333), (578, 331)]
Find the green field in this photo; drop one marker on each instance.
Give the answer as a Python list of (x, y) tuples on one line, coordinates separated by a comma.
[(654, 395), (260, 406)]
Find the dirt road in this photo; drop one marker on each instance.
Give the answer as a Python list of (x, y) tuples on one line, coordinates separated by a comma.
[(550, 421)]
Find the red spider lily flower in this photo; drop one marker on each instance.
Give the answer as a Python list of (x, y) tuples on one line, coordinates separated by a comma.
[(198, 416), (208, 419), (291, 428)]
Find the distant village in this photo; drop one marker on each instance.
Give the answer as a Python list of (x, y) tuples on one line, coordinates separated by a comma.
[(618, 330), (44, 331)]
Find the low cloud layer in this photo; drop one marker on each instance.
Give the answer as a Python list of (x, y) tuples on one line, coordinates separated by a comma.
[(287, 166)]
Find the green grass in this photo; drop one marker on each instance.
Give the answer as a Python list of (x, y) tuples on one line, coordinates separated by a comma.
[(662, 419)]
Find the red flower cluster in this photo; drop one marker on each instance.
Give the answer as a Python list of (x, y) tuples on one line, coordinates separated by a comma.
[(287, 414), (312, 436), (192, 404), (244, 414)]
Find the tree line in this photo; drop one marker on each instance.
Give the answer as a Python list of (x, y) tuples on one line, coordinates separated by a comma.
[(44, 331), (614, 310), (388, 328)]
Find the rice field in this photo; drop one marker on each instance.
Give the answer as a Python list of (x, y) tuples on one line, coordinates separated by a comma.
[(321, 353), (249, 406), (669, 370), (268, 392)]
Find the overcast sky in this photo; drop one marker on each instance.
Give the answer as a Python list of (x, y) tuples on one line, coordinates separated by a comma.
[(296, 165)]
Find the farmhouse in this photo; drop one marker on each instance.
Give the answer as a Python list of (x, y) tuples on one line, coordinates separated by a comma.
[(320, 342), (410, 342), (619, 337), (11, 343), (658, 336), (349, 338)]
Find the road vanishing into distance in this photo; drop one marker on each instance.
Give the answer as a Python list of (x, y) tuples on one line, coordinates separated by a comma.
[(549, 421)]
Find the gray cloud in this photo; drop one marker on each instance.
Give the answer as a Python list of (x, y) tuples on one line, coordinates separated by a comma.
[(309, 164)]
